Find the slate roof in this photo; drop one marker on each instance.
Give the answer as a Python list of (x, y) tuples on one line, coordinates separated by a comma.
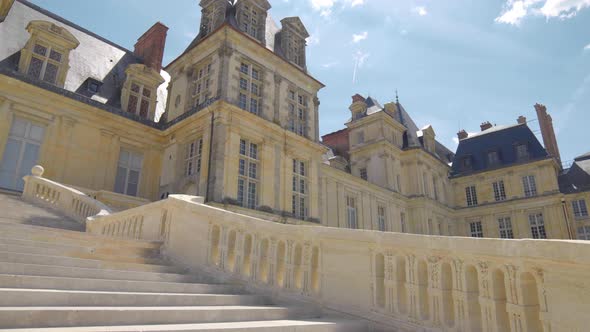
[(96, 58), (576, 178), (502, 139)]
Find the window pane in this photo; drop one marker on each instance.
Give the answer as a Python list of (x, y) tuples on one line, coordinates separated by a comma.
[(11, 156), (18, 128), (147, 92), (54, 55), (132, 105), (50, 73), (29, 159), (143, 110), (35, 67), (120, 180), (133, 177), (132, 189), (36, 133), (40, 49), (134, 87), (136, 160), (242, 167)]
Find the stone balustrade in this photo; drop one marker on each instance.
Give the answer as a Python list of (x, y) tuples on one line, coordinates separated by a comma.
[(398, 281), (71, 202)]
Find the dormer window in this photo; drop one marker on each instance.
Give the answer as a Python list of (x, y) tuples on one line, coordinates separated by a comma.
[(522, 152), (466, 163), (249, 22), (493, 158), (46, 54), (139, 95)]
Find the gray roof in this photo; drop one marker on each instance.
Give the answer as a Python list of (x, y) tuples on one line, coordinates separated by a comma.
[(96, 58)]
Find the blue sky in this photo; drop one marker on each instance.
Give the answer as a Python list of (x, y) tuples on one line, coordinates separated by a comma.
[(456, 63)]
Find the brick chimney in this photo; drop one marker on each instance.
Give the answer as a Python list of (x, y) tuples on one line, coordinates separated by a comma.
[(150, 46), (462, 134), (521, 120), (357, 98), (486, 125), (549, 139)]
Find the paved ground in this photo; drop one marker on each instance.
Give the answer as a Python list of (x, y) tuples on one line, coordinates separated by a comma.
[(15, 210)]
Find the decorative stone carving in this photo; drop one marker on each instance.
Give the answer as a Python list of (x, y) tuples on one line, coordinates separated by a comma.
[(484, 284), (434, 267), (458, 267), (512, 272)]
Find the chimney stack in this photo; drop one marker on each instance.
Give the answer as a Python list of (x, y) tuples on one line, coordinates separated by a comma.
[(486, 125), (462, 134), (150, 46), (357, 98), (548, 133), (521, 120)]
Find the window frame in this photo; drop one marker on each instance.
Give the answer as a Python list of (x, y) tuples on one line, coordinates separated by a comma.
[(580, 208), (193, 157), (584, 234), (505, 229), (529, 186), (200, 85), (471, 196), (351, 212), (298, 111), (128, 168), (476, 229), (300, 173), (252, 100), (537, 225), (245, 179), (499, 190), (381, 218)]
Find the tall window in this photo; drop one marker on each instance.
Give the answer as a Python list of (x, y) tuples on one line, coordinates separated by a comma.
[(529, 185), (522, 152), (45, 63), (248, 177), (139, 100), (381, 218), (299, 197), (249, 21), (537, 224), (192, 164), (128, 173), (298, 110), (471, 196), (351, 216), (250, 88), (201, 85), (425, 185), (505, 227), (499, 191), (363, 173), (476, 229), (584, 233), (580, 209), (435, 188), (403, 222)]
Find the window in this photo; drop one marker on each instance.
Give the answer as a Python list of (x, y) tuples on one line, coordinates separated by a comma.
[(466, 163), (298, 107), (580, 209), (300, 189), (530, 186), (139, 100), (201, 86), (537, 226), (249, 21), (192, 164), (471, 196), (363, 173), (435, 188), (45, 63), (425, 188), (248, 175), (128, 173), (584, 233), (403, 222), (476, 229), (499, 191), (505, 227), (250, 89), (493, 158), (381, 219), (522, 152), (351, 216), (399, 183)]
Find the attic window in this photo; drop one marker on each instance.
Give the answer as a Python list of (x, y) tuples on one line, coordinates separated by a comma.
[(493, 158), (93, 86), (466, 163), (522, 152)]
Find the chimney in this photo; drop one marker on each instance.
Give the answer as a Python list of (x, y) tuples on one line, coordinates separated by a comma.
[(150, 46), (549, 139), (357, 98), (521, 120), (486, 125), (462, 134)]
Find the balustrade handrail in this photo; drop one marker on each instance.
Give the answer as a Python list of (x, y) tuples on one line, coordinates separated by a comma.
[(72, 202)]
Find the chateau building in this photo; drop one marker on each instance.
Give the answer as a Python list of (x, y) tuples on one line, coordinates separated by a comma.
[(235, 119)]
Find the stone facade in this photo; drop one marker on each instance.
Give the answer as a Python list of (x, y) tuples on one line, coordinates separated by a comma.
[(237, 123)]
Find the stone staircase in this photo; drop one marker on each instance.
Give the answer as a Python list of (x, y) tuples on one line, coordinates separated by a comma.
[(55, 279)]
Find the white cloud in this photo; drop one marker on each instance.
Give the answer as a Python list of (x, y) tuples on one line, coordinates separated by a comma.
[(330, 64), (313, 40), (325, 6), (587, 48), (360, 37), (420, 10), (359, 58), (516, 10)]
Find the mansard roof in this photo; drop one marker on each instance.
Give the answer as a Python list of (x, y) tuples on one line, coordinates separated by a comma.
[(577, 177), (96, 59), (500, 139)]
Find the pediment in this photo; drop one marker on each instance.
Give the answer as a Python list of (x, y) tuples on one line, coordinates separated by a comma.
[(296, 24)]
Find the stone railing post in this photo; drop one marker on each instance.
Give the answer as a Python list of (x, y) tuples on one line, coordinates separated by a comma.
[(240, 236), (435, 290), (390, 283), (289, 268), (272, 262), (306, 268)]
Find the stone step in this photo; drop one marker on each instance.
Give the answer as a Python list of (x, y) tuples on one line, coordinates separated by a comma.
[(80, 251), (52, 297), (26, 258), (313, 325), (30, 317), (79, 272), (46, 234), (91, 284)]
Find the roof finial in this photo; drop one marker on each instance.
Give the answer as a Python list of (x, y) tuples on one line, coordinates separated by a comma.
[(396, 97)]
